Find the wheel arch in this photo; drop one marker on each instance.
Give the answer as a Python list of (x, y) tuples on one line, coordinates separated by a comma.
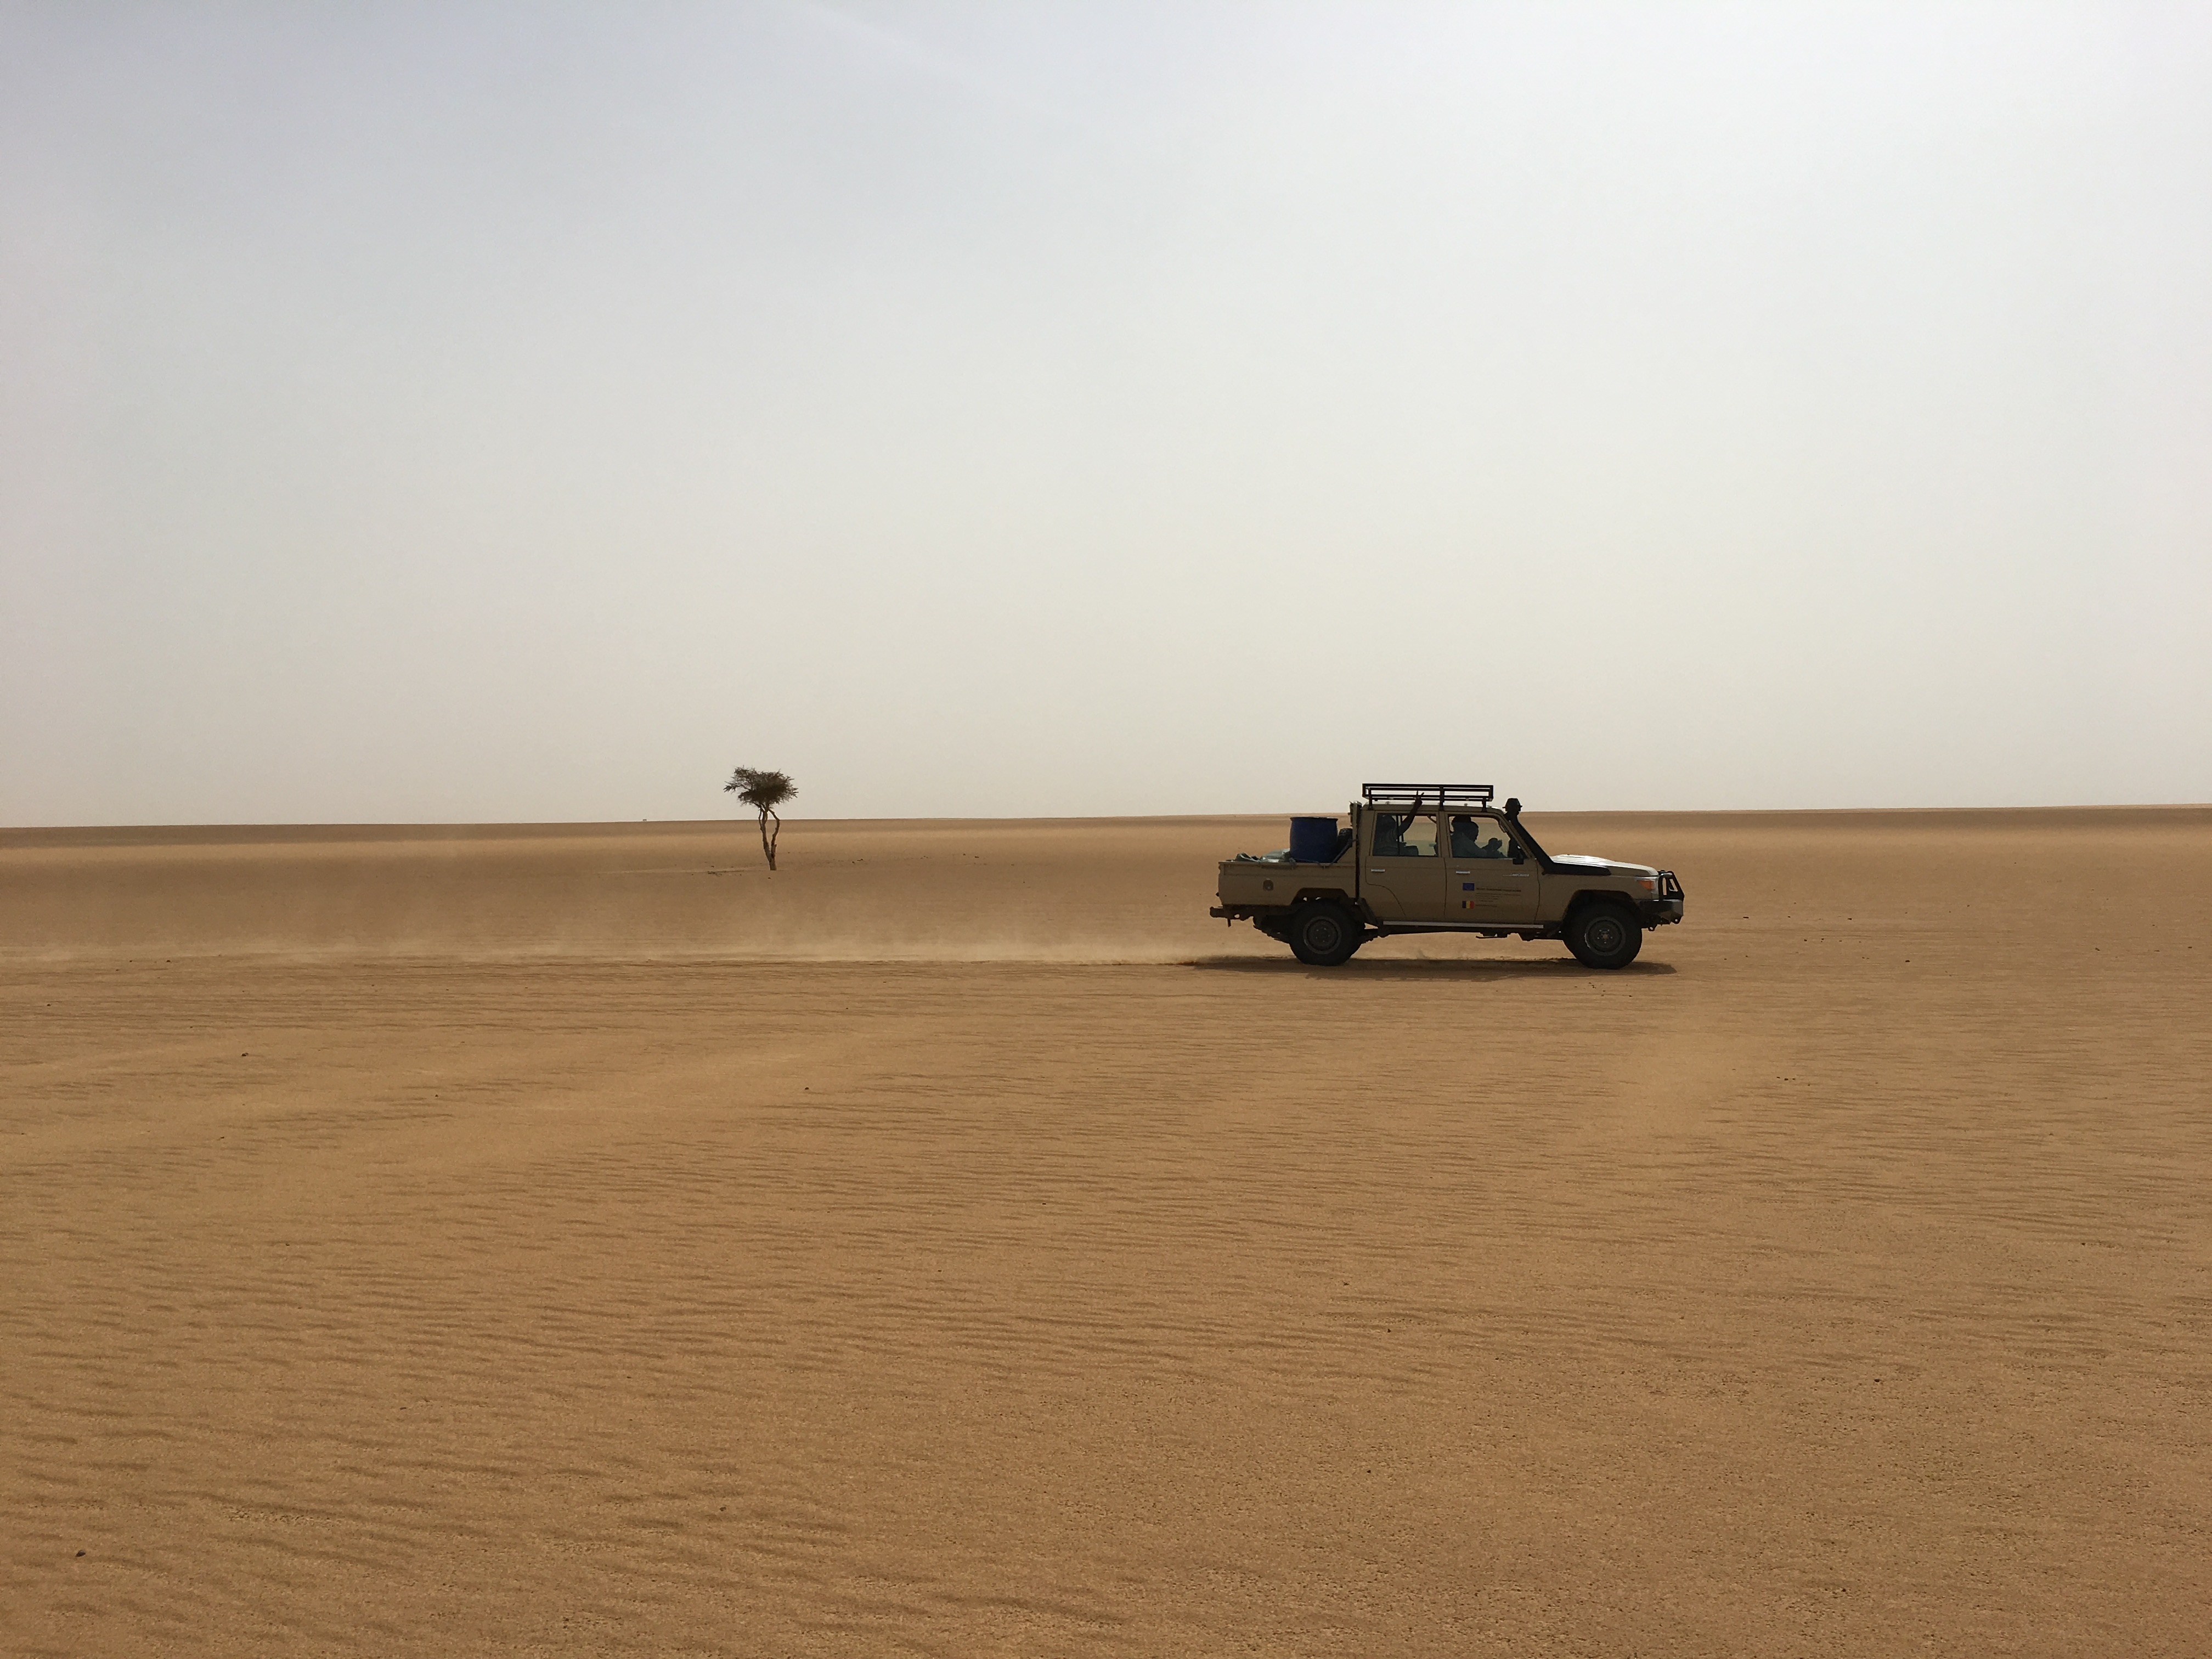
[(1589, 896)]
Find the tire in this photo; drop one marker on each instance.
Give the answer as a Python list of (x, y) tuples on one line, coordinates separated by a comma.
[(1325, 935), (1605, 936)]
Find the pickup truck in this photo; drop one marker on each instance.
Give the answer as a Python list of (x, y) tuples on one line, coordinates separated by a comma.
[(1430, 858)]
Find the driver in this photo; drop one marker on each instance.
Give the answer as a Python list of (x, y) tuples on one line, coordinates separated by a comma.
[(1462, 836), (1468, 842)]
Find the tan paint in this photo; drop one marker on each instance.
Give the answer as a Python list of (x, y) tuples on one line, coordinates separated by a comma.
[(1469, 872)]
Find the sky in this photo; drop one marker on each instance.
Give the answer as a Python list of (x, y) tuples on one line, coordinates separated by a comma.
[(465, 412)]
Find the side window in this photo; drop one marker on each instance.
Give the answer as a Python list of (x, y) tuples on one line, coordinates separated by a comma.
[(1474, 837), (1406, 835)]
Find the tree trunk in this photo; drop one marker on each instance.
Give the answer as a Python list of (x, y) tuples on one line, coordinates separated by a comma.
[(768, 840)]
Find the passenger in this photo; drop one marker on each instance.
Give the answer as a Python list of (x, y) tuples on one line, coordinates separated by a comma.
[(1389, 835)]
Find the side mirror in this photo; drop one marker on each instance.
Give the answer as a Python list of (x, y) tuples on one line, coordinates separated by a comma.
[(1520, 857)]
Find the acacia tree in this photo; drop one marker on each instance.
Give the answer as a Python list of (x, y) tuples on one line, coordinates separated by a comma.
[(763, 792)]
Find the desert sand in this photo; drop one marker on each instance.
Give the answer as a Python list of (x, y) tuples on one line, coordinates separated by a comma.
[(577, 1240)]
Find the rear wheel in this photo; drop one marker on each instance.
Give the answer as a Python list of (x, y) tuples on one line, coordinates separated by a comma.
[(1325, 935), (1605, 936)]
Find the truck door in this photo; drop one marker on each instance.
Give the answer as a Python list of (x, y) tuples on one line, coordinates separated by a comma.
[(1404, 875), (1493, 878)]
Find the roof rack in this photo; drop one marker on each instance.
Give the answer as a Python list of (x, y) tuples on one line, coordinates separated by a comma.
[(1438, 795)]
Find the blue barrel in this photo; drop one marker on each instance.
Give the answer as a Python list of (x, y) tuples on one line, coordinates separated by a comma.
[(1313, 841)]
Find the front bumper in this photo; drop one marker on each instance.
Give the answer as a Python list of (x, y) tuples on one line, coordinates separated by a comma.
[(1664, 909)]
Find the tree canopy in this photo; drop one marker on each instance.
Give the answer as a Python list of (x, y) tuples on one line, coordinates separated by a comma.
[(762, 790)]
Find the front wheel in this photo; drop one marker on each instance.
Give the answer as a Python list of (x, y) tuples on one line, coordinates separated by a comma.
[(1605, 936), (1325, 935)]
